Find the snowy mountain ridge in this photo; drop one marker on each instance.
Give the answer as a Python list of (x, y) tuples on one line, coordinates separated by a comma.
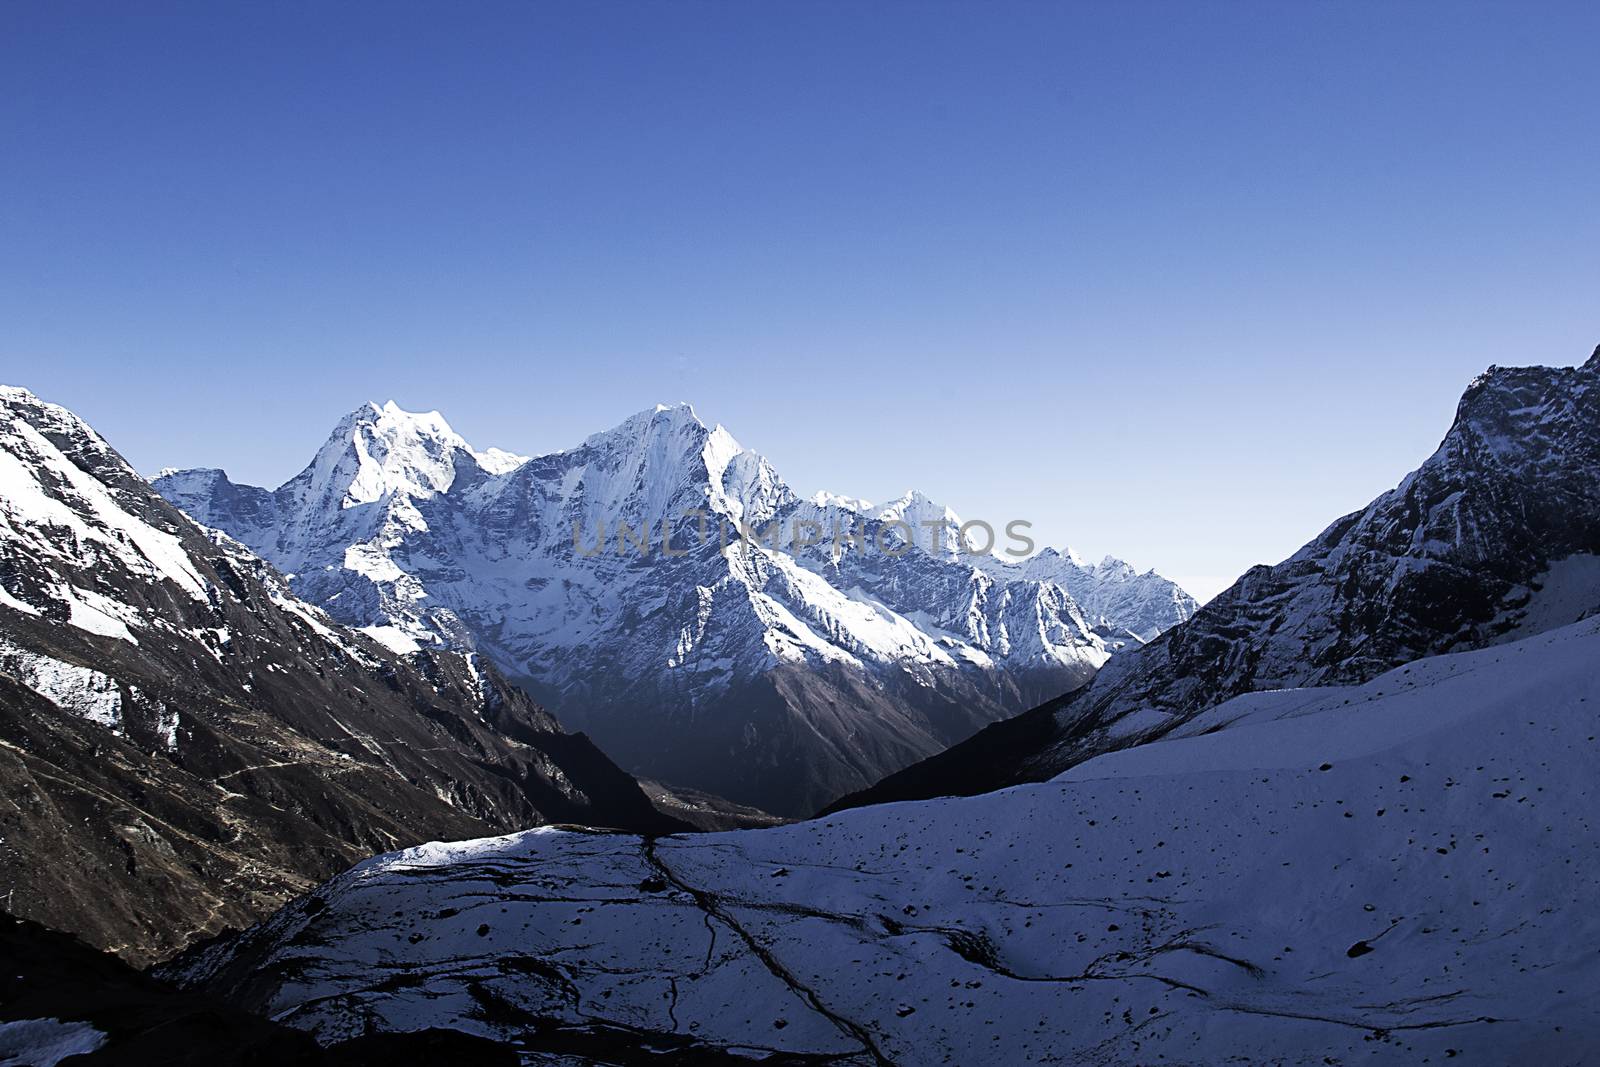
[(661, 587), (1493, 537)]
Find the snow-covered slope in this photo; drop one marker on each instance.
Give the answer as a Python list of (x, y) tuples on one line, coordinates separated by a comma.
[(1493, 537), (1394, 872), (728, 658), (184, 744)]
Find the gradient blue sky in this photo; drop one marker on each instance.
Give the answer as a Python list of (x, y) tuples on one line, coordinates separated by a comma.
[(1182, 282)]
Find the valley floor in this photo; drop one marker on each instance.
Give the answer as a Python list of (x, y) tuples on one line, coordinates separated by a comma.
[(1397, 872)]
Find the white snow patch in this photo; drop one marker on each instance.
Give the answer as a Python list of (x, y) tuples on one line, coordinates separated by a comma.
[(97, 614), (45, 1042), (80, 691), (22, 498), (393, 638), (1568, 591), (1138, 722), (13, 603)]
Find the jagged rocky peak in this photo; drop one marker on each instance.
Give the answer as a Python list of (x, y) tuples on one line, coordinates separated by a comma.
[(653, 465), (1065, 555), (1510, 410), (196, 479), (65, 431), (934, 526), (71, 502), (823, 499), (380, 451), (1113, 569), (666, 433), (1113, 593)]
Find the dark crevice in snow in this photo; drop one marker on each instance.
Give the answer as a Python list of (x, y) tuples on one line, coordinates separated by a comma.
[(1355, 1024), (711, 905)]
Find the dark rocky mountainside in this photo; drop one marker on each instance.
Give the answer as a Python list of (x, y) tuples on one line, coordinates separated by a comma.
[(184, 745), (1494, 537)]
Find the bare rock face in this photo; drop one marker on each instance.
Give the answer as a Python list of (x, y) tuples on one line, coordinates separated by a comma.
[(1494, 537), (184, 744), (647, 585)]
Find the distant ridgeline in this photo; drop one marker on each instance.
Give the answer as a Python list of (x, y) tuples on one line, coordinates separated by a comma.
[(733, 656)]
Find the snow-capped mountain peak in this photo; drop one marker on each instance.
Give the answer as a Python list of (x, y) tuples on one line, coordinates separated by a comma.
[(934, 527), (1113, 569), (380, 451), (824, 499), (499, 461), (669, 417), (1112, 593), (1051, 557), (818, 666), (657, 464)]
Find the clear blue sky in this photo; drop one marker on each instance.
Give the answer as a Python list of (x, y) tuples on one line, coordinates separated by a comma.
[(1181, 282)]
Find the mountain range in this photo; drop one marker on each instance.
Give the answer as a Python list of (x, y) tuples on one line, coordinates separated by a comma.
[(1496, 536), (661, 588), (185, 745), (1342, 813)]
